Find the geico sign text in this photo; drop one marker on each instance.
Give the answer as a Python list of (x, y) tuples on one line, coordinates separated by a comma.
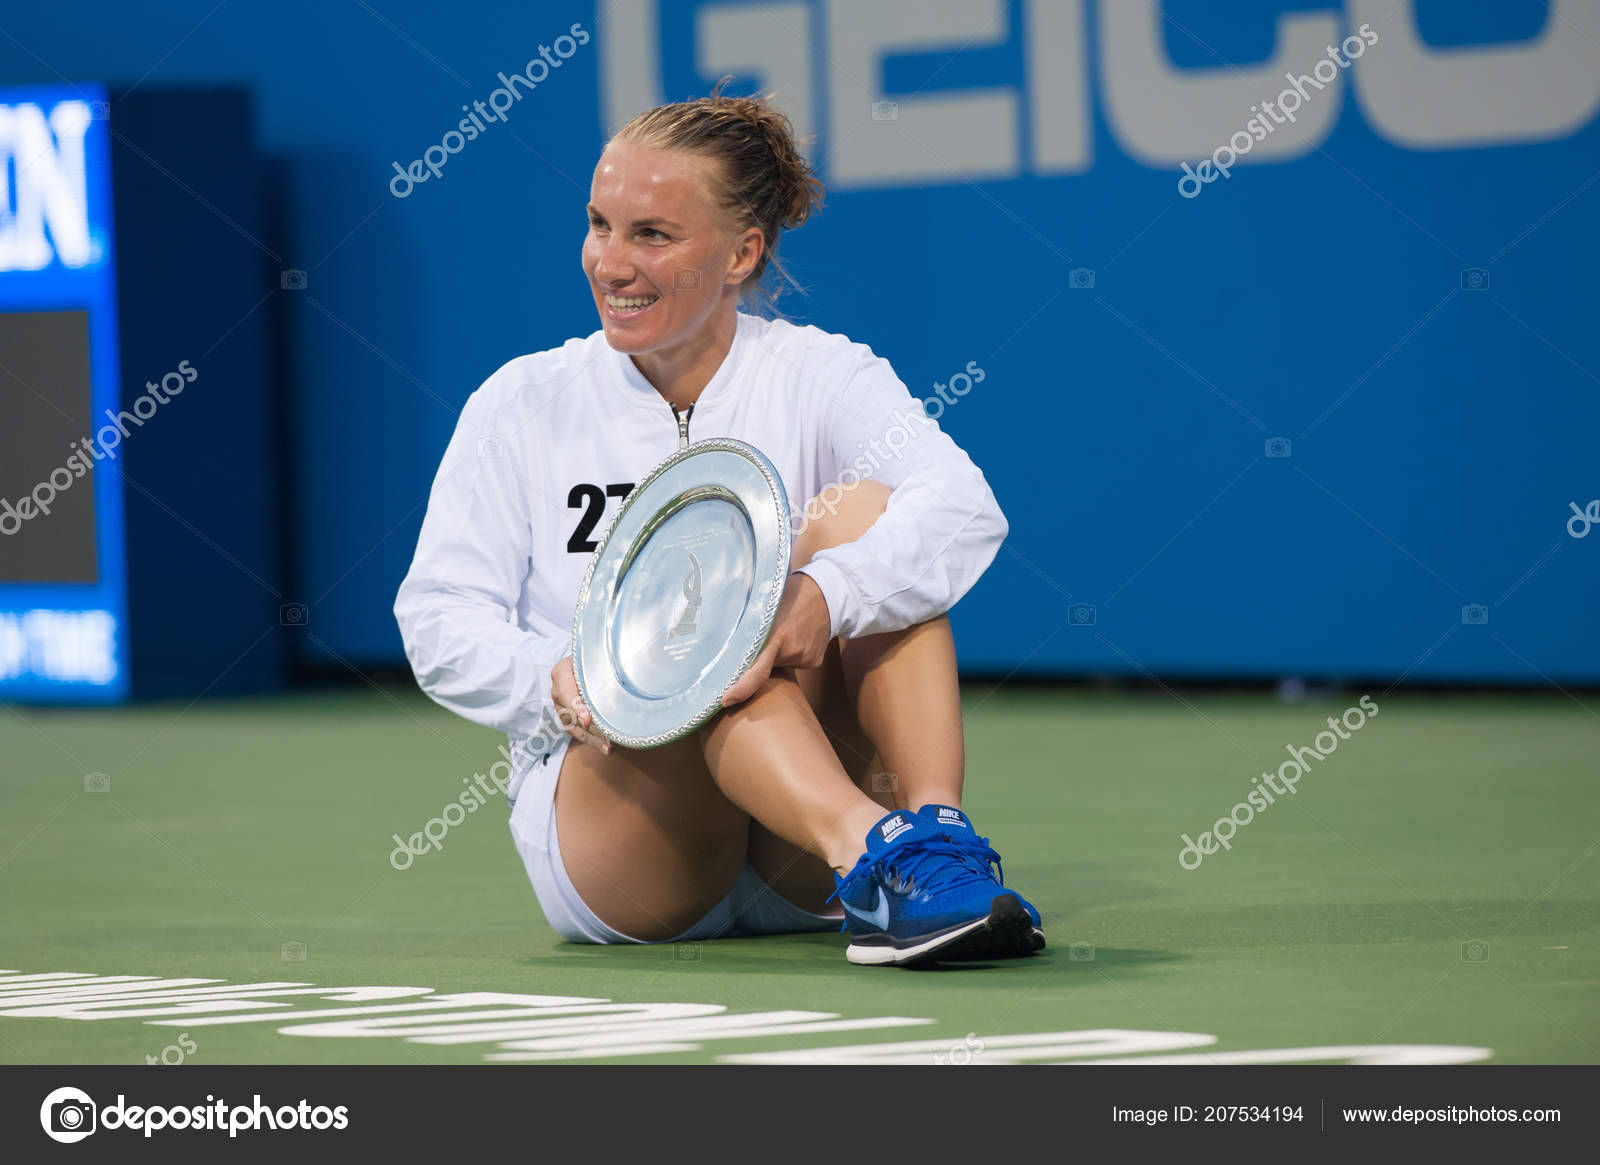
[(1412, 94)]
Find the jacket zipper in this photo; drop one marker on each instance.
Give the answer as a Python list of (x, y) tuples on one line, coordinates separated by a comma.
[(683, 424)]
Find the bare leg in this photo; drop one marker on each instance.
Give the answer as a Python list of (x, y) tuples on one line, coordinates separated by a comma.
[(772, 758), (653, 840), (647, 838), (901, 686), (908, 703), (793, 873), (877, 698)]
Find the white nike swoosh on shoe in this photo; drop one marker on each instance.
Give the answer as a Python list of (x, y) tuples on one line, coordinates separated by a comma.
[(878, 916)]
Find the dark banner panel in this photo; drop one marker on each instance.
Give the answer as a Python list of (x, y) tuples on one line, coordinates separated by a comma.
[(44, 412), (328, 1114)]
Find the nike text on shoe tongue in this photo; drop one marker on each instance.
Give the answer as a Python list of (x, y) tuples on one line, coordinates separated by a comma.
[(943, 816), (891, 829)]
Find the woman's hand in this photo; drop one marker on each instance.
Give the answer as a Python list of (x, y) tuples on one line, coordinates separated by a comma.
[(799, 637), (570, 708)]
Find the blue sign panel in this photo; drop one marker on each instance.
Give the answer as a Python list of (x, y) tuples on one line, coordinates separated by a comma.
[(63, 587)]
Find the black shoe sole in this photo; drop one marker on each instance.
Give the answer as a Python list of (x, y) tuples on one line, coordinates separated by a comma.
[(1009, 933)]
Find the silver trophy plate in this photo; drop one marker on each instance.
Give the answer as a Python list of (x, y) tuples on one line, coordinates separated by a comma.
[(681, 595)]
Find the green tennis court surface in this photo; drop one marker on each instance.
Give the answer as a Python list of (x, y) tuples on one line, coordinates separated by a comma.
[(1432, 883)]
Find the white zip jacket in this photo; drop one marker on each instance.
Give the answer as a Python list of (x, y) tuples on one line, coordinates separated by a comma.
[(548, 447)]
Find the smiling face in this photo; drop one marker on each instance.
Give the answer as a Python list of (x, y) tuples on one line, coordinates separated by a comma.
[(661, 256)]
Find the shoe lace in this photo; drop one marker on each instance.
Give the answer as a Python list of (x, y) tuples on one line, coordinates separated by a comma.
[(925, 866), (977, 854)]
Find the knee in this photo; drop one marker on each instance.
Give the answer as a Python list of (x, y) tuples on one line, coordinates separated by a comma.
[(840, 513), (779, 694)]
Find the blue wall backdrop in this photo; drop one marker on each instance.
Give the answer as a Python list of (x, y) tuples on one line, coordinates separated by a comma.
[(1327, 416)]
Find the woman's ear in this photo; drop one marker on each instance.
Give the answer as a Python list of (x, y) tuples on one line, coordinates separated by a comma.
[(747, 252)]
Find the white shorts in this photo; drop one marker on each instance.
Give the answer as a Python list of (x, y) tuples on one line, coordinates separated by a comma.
[(750, 908)]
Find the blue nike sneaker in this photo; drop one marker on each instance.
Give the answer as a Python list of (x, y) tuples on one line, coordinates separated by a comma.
[(975, 852), (919, 894)]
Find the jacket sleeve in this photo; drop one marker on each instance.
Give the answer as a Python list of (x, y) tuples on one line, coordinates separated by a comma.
[(942, 527), (457, 606)]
